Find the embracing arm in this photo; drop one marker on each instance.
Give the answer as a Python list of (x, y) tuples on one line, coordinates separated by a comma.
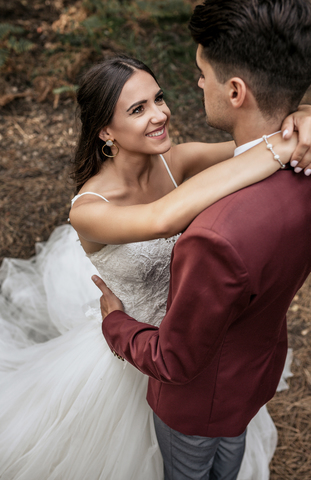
[(105, 223), (188, 159), (201, 307)]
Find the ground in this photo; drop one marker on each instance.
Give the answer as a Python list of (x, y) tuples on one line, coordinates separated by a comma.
[(38, 131)]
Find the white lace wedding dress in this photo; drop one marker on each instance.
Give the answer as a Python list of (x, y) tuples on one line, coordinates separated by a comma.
[(69, 409)]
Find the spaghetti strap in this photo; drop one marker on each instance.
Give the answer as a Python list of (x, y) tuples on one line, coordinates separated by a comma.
[(168, 170), (87, 193), (98, 195)]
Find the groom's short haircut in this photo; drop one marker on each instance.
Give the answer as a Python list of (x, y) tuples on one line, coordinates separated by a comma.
[(267, 43)]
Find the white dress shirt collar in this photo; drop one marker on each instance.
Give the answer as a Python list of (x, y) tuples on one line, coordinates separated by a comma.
[(246, 146)]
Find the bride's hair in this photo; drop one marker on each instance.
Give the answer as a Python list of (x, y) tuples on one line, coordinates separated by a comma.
[(97, 97)]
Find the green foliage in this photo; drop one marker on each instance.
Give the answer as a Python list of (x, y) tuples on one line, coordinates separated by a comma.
[(65, 89), (7, 28), (4, 54), (178, 10), (93, 23), (11, 43), (155, 31), (19, 46)]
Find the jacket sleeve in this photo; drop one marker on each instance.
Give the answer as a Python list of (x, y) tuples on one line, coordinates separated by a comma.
[(209, 288)]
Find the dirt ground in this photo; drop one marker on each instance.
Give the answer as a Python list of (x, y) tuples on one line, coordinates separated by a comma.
[(37, 140)]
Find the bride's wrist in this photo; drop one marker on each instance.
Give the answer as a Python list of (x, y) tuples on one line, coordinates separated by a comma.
[(269, 146), (282, 148)]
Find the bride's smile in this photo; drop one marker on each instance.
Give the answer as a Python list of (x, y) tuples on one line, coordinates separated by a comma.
[(141, 118)]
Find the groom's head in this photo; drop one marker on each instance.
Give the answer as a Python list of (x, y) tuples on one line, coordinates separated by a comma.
[(261, 46)]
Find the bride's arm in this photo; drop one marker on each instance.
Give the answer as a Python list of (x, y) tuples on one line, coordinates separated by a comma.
[(188, 159), (105, 223)]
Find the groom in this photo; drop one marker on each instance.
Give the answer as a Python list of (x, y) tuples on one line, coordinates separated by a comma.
[(219, 353)]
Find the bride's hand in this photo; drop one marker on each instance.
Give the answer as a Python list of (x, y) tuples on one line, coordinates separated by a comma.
[(108, 301), (300, 121)]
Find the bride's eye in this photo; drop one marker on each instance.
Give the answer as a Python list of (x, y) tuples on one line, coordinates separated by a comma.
[(138, 109), (160, 98)]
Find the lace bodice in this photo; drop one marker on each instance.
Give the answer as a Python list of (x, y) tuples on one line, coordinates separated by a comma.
[(138, 273)]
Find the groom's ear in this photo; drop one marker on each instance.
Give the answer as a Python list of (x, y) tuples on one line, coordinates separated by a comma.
[(237, 92)]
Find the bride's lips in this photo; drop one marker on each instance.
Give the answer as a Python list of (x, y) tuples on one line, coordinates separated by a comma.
[(159, 133)]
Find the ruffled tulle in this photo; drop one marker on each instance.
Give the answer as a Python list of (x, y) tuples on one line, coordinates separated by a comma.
[(73, 411), (70, 410), (42, 297)]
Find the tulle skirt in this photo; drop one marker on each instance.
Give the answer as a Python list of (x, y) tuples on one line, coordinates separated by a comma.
[(69, 409), (73, 411)]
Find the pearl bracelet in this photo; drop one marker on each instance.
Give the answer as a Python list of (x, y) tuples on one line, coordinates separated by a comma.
[(275, 155)]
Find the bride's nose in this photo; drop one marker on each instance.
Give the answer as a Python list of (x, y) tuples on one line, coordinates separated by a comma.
[(158, 116)]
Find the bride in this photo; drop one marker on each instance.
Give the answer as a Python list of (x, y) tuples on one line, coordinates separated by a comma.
[(68, 408)]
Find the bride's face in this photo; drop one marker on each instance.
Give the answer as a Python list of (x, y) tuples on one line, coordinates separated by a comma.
[(141, 118)]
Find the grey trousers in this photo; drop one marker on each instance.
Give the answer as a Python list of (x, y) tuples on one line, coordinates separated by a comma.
[(193, 457)]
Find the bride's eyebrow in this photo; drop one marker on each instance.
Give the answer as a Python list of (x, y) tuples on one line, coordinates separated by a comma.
[(143, 101), (136, 104)]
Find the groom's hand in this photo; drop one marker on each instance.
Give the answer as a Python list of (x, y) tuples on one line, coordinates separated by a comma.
[(108, 301)]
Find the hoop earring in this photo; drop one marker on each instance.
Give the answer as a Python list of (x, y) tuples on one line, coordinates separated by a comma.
[(110, 143)]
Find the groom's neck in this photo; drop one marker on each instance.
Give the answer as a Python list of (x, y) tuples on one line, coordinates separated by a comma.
[(254, 125)]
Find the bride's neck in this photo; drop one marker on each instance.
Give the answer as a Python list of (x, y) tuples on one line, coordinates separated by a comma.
[(132, 170)]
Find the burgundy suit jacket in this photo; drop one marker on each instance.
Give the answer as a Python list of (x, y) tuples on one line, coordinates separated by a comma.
[(218, 354)]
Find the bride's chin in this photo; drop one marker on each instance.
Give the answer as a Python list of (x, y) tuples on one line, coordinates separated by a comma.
[(168, 145)]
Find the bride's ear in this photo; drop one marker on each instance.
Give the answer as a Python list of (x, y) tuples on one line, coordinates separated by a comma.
[(104, 134)]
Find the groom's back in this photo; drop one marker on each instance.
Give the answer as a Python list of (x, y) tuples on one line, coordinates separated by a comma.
[(268, 226), (269, 223), (236, 269), (234, 272)]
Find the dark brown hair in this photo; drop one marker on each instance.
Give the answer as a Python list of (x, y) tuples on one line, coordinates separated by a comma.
[(267, 43), (97, 96)]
